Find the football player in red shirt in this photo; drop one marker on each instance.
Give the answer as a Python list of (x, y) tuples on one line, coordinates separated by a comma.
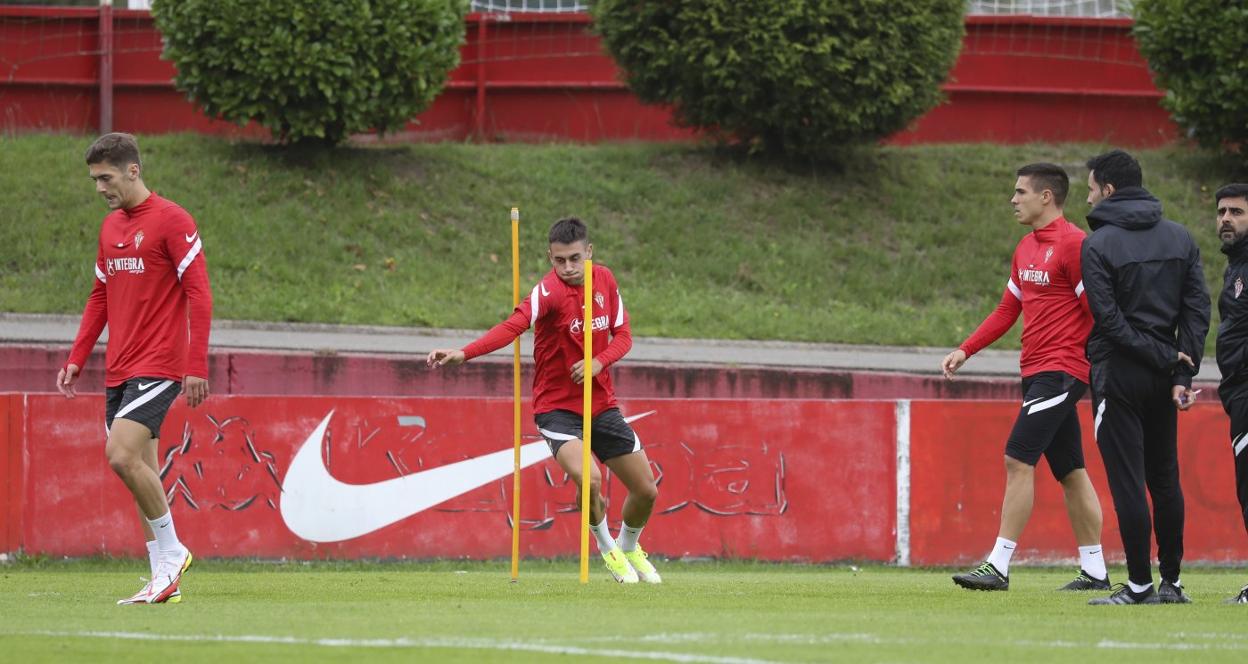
[(1046, 287), (151, 290), (554, 309)]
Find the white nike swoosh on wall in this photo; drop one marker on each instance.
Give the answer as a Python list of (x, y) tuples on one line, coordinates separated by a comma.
[(319, 508)]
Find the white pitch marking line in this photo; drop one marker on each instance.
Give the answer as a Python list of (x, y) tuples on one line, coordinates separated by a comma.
[(470, 644)]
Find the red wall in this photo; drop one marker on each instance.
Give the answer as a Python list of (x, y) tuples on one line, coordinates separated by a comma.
[(737, 479), (543, 76), (812, 480)]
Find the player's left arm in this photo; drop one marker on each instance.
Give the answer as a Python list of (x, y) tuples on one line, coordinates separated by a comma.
[(621, 336), (1193, 318), (1073, 251), (186, 251)]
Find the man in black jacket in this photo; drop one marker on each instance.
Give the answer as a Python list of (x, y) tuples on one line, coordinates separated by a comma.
[(1150, 312), (1233, 335)]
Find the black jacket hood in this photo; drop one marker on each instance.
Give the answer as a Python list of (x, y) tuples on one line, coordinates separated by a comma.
[(1131, 208)]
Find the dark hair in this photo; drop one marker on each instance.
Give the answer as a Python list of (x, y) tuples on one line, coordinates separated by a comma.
[(1044, 175), (116, 148), (1233, 190), (569, 230), (1116, 168)]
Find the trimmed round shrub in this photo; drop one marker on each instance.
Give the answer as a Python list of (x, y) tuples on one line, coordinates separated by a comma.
[(312, 70), (798, 77), (1198, 53)]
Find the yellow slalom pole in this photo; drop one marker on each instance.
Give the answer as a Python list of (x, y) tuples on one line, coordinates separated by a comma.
[(515, 410), (587, 416)]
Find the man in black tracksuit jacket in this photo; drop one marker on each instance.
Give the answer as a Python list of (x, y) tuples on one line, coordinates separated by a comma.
[(1232, 347), (1150, 312)]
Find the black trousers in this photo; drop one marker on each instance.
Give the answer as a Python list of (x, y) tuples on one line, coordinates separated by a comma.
[(1136, 428), (1236, 406)]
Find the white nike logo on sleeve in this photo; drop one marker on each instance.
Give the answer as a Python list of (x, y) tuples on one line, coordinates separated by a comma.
[(190, 239), (319, 508)]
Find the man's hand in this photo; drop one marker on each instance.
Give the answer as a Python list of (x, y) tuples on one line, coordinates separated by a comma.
[(1183, 397), (1186, 359), (195, 389), (578, 370), (952, 362), (442, 357), (65, 380)]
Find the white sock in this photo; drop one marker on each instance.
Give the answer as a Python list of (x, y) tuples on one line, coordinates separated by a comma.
[(153, 556), (1139, 589), (1001, 554), (603, 534), (166, 536), (629, 536), (1092, 561)]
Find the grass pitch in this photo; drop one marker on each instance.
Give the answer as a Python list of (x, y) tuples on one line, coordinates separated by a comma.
[(706, 612)]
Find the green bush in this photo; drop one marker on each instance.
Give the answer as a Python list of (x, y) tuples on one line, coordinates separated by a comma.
[(798, 77), (312, 70), (1198, 53)]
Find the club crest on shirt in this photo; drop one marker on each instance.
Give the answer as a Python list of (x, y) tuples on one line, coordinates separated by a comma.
[(138, 239), (1048, 254), (599, 299), (1239, 286)]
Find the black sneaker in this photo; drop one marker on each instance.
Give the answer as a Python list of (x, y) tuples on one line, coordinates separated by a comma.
[(1241, 598), (1124, 595), (1172, 593), (1086, 581), (984, 577)]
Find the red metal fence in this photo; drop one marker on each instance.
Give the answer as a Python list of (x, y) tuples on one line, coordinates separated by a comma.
[(545, 76)]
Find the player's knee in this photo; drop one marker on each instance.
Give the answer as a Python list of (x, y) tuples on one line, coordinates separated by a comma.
[(648, 492), (121, 459)]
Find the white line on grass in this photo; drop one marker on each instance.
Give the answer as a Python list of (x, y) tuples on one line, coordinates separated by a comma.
[(880, 640), (460, 643)]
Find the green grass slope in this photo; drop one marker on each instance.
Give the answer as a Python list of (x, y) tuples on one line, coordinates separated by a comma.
[(715, 613), (899, 246)]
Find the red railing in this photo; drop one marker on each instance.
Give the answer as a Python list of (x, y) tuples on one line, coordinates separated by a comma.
[(546, 76)]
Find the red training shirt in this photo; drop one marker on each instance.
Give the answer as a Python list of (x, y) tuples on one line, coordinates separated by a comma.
[(555, 312), (1046, 286), (150, 273)]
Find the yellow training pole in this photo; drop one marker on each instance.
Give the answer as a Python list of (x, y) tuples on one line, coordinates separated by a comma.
[(587, 417), (515, 409)]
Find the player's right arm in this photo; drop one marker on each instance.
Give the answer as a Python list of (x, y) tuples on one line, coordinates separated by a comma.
[(94, 318), (525, 315), (996, 324)]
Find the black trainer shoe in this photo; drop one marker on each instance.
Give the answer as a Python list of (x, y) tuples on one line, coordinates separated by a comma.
[(984, 577), (1172, 593), (1086, 581), (1241, 598), (1124, 595)]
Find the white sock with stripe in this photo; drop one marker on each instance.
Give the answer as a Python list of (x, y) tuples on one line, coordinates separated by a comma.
[(1092, 561), (1137, 589), (1001, 554), (166, 536), (603, 535), (629, 536)]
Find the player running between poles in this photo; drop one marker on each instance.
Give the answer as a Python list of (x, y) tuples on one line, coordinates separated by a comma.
[(554, 310), (151, 289), (1045, 286)]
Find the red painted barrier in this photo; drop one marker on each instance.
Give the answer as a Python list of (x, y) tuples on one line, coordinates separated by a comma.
[(12, 470), (779, 480), (958, 479), (544, 76)]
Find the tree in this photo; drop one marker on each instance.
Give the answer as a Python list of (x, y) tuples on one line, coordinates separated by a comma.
[(312, 70), (799, 77)]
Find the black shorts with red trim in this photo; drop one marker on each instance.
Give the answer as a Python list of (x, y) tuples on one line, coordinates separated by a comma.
[(612, 435), (143, 399), (1048, 423)]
